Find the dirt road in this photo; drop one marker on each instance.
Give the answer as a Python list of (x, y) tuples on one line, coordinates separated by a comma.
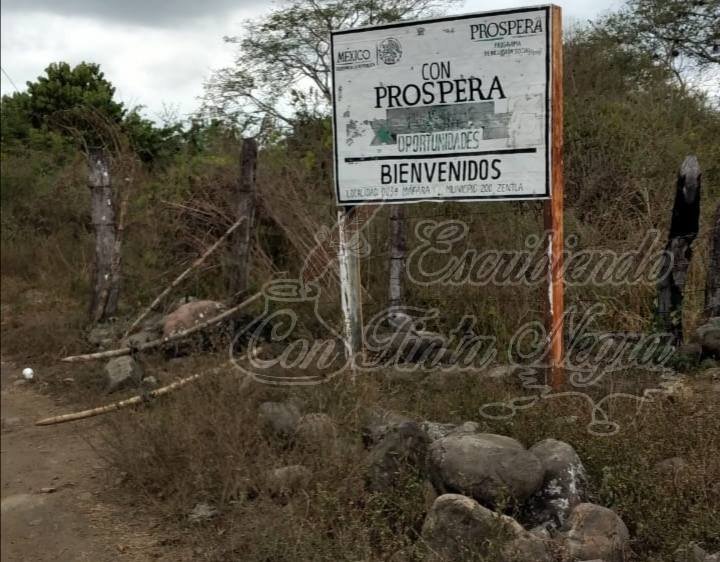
[(54, 487)]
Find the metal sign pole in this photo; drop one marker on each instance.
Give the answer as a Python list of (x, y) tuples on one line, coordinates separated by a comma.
[(349, 265)]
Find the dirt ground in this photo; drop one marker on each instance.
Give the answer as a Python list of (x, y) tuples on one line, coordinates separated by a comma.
[(56, 492)]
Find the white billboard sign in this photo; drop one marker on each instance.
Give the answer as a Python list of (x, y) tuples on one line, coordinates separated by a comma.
[(450, 109)]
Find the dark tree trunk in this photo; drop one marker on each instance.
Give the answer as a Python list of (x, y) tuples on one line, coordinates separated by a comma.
[(245, 207), (106, 277), (678, 252), (712, 289), (398, 250)]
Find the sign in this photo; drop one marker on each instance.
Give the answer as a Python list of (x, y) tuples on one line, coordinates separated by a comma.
[(451, 109)]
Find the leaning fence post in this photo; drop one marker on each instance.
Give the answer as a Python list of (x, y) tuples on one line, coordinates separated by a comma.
[(105, 285), (244, 208), (684, 227)]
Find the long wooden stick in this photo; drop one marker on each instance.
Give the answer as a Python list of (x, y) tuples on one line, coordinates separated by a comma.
[(161, 341), (179, 279), (122, 403)]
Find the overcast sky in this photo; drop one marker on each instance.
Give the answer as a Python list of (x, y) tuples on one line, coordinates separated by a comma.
[(157, 53)]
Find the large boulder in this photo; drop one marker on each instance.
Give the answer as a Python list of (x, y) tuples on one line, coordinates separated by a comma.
[(458, 528), (402, 449), (122, 372), (564, 483), (593, 531), (484, 466), (708, 336), (189, 315), (279, 419)]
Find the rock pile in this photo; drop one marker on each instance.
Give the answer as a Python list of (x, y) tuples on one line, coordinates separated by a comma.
[(471, 474)]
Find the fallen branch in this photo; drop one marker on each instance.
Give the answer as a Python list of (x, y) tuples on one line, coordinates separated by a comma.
[(122, 403), (164, 340), (197, 263)]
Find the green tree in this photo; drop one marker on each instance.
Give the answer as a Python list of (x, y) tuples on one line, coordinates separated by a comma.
[(62, 88)]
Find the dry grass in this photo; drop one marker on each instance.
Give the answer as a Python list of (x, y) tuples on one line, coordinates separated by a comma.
[(204, 444)]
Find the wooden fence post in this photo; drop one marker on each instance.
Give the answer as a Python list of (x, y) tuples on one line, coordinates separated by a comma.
[(398, 249), (684, 227), (712, 288), (106, 280), (245, 207)]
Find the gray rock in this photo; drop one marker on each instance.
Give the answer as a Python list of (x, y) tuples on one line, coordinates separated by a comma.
[(458, 528), (140, 338), (564, 483), (403, 447), (672, 467), (150, 382), (288, 480), (502, 372), (102, 335), (202, 512), (316, 431), (435, 430), (708, 336), (279, 419), (154, 323), (11, 423), (377, 423), (121, 372), (484, 466), (593, 531), (466, 427), (694, 553)]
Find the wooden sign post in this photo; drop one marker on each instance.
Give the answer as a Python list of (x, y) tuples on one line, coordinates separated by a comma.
[(462, 108), (554, 226)]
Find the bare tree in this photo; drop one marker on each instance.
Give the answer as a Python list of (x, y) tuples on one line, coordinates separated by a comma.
[(286, 56)]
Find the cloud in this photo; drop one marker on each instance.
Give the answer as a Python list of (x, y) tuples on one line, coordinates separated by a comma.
[(148, 66), (156, 53), (151, 13)]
